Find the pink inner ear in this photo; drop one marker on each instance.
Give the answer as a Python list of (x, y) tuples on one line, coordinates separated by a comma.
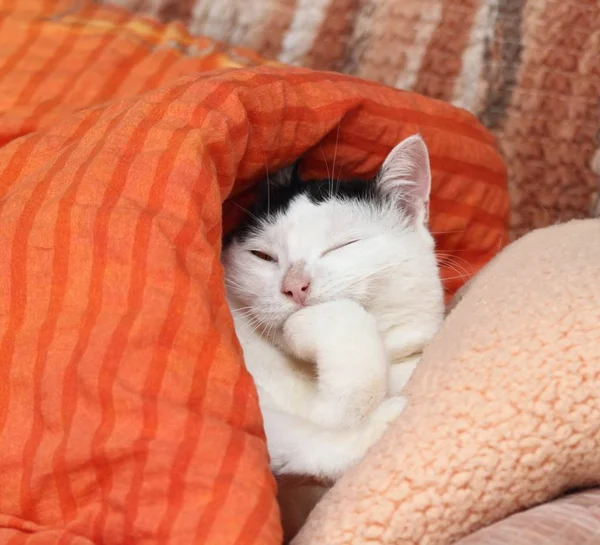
[(406, 177)]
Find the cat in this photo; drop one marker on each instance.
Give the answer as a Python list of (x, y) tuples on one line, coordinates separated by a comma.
[(335, 290)]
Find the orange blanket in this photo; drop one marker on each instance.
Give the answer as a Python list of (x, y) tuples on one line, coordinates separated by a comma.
[(126, 414)]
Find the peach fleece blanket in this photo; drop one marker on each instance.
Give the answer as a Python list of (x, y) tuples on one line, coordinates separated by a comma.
[(504, 410)]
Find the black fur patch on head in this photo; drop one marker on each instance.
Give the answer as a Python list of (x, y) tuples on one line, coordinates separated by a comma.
[(275, 198)]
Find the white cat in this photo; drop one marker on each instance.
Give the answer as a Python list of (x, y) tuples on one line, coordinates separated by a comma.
[(334, 289)]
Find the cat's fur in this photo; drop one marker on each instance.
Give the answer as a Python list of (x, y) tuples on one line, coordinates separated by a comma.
[(332, 310)]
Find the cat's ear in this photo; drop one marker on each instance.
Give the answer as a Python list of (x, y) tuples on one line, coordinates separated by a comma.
[(405, 177)]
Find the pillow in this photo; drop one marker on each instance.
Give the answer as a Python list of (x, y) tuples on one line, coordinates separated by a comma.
[(126, 412), (504, 409)]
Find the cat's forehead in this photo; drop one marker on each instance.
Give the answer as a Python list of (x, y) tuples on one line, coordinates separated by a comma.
[(306, 220)]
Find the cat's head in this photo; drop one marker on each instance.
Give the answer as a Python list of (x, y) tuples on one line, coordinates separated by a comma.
[(305, 243)]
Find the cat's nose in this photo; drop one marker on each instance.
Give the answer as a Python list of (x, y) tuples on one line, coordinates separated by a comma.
[(297, 291), (296, 284)]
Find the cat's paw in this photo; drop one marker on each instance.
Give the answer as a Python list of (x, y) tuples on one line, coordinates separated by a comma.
[(300, 335), (389, 410), (380, 419), (331, 322)]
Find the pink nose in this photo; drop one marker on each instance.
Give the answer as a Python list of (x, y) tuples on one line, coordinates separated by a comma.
[(297, 292), (295, 284)]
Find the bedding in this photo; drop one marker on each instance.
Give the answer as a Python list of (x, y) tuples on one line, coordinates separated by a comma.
[(126, 413), (528, 69), (570, 520), (503, 413)]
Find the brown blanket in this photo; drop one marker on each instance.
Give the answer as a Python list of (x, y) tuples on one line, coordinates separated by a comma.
[(572, 520)]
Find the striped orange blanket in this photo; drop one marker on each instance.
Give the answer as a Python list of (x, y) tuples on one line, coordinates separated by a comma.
[(126, 414)]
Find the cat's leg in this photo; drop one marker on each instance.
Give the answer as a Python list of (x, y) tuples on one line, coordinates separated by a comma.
[(298, 446), (405, 345), (400, 373), (343, 340), (408, 340)]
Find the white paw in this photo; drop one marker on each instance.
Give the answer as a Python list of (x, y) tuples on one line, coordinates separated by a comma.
[(389, 410), (300, 333), (380, 419), (333, 322)]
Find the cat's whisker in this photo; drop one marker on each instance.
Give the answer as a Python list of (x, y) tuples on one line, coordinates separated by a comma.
[(243, 315), (460, 276), (243, 309), (329, 177), (242, 312), (450, 263), (455, 266), (445, 255), (337, 137), (255, 322), (270, 333), (449, 232), (268, 181), (449, 255), (246, 211), (242, 291), (234, 284)]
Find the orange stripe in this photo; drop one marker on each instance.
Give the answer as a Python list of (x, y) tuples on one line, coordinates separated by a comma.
[(33, 31), (70, 389), (443, 116), (218, 495), (469, 129), (179, 296), (439, 164), (446, 118), (256, 521), (16, 165), (7, 8), (53, 61), (62, 95), (160, 75), (388, 113), (19, 538), (18, 283), (462, 210), (58, 285), (69, 396), (172, 321), (231, 459), (191, 436), (20, 157), (137, 281), (195, 402), (115, 81)]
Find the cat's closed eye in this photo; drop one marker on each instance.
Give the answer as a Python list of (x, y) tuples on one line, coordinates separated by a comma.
[(264, 256), (339, 246)]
